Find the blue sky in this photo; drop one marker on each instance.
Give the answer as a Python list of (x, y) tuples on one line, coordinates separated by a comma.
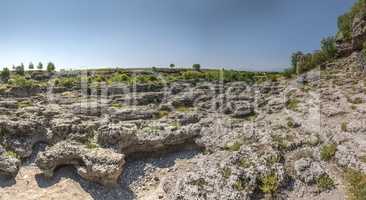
[(242, 34)]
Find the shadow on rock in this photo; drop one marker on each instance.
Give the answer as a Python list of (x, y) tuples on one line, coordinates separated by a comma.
[(6, 181), (98, 192)]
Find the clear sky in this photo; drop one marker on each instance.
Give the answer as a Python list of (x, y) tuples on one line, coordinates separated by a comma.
[(244, 34)]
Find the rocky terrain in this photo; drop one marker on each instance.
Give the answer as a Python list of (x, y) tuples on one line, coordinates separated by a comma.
[(297, 138), (189, 141)]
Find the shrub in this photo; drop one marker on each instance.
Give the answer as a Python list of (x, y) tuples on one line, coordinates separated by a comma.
[(324, 182), (68, 82), (328, 47), (5, 75), (328, 151), (21, 81), (11, 154), (269, 183), (239, 185), (356, 184), (190, 75), (118, 77), (292, 104)]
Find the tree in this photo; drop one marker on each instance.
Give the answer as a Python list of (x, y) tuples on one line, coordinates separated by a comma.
[(40, 66), (20, 70), (30, 66), (172, 66), (294, 60), (51, 67), (196, 67), (5, 75), (328, 47)]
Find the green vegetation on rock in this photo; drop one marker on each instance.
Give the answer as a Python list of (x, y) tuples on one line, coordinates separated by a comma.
[(324, 182), (269, 183), (328, 151), (356, 184)]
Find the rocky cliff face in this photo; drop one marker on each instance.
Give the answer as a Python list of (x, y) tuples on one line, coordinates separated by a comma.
[(356, 43)]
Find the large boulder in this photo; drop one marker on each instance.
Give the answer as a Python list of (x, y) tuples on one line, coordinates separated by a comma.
[(129, 138), (99, 165)]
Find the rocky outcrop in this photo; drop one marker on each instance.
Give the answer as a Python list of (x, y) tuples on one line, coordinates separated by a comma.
[(99, 165), (9, 165), (20, 136), (129, 138), (359, 31), (308, 170)]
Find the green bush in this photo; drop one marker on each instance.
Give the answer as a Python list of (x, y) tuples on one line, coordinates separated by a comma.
[(193, 75), (328, 47), (269, 183), (324, 182), (118, 78), (5, 75), (68, 82), (328, 151), (21, 81), (239, 185), (11, 154)]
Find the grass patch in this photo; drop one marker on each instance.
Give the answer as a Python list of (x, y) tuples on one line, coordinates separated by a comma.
[(356, 184), (226, 172), (244, 163), (324, 182), (162, 114), (328, 151), (239, 185), (11, 154), (117, 105), (233, 147), (183, 109), (24, 104), (292, 104), (269, 184)]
